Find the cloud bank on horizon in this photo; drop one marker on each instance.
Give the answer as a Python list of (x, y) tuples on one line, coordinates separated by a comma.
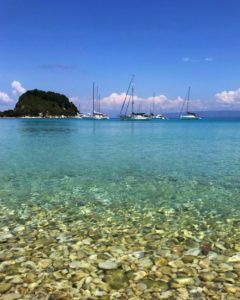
[(17, 90), (112, 103), (228, 97)]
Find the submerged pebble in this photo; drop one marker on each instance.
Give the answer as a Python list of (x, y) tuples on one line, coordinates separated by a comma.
[(108, 265), (4, 287)]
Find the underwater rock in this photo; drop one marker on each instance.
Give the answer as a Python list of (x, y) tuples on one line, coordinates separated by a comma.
[(30, 277), (78, 276), (138, 254), (44, 263), (108, 265), (17, 280), (234, 258), (58, 264), (205, 249), (237, 247), (79, 265), (5, 236), (161, 261), (225, 267), (230, 288), (99, 293), (167, 270), (30, 265), (207, 276), (204, 263), (141, 286), (10, 269), (156, 285), (145, 263), (116, 279), (163, 286), (19, 228), (4, 287), (220, 246), (176, 263), (188, 258), (139, 275), (11, 296), (182, 281), (166, 295), (193, 252), (103, 256)]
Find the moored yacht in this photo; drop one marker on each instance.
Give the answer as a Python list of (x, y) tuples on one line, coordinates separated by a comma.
[(188, 115), (96, 115), (100, 116), (129, 100), (153, 115), (135, 117), (159, 117)]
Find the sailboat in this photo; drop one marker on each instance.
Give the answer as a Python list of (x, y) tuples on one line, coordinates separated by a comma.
[(96, 115), (129, 100), (188, 115), (79, 114), (152, 114)]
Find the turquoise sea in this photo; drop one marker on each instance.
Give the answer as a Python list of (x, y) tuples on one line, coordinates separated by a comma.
[(120, 161), (160, 187)]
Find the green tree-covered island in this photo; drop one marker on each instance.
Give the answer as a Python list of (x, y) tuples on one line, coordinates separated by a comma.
[(37, 103)]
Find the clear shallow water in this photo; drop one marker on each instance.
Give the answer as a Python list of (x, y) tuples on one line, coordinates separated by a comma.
[(116, 161), (75, 194)]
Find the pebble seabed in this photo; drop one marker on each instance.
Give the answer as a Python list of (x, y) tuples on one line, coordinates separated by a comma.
[(79, 250)]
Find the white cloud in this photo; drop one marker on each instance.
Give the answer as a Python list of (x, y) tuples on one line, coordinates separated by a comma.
[(162, 102), (5, 98), (115, 99), (208, 59), (228, 97), (194, 60), (17, 88)]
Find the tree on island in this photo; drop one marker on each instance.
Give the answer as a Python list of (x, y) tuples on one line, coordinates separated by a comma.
[(37, 103)]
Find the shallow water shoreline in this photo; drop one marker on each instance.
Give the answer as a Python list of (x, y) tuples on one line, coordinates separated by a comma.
[(109, 210), (93, 251)]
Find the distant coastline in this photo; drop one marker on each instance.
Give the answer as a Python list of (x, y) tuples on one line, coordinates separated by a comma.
[(170, 116), (37, 104)]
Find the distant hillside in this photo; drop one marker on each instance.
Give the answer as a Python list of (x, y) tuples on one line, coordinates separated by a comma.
[(36, 103)]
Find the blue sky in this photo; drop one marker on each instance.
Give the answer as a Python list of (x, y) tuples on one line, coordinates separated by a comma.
[(63, 46)]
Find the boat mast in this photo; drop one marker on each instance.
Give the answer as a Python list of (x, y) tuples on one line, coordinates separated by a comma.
[(188, 97), (132, 98), (93, 98), (97, 95), (154, 103), (99, 98), (125, 99)]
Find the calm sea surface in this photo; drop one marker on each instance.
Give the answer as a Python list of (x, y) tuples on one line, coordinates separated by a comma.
[(117, 161), (120, 210)]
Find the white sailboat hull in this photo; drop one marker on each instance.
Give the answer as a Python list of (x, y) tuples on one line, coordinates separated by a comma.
[(135, 118), (159, 117), (96, 116), (189, 117)]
